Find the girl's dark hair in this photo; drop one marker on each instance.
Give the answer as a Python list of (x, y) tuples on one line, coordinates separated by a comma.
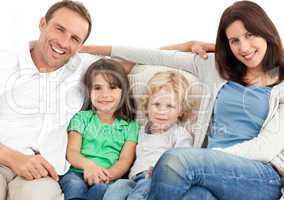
[(258, 23), (115, 75)]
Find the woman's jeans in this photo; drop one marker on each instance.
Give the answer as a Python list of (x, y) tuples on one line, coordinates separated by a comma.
[(74, 187), (195, 174), (136, 188)]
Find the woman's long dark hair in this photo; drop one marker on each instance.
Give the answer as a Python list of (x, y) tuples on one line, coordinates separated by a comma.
[(115, 75), (258, 23)]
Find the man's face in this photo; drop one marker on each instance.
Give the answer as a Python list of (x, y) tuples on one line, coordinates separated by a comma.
[(60, 38)]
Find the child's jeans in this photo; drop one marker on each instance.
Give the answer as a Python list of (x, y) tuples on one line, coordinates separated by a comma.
[(136, 188), (74, 187)]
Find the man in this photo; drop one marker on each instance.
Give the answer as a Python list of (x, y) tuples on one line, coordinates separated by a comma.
[(39, 93)]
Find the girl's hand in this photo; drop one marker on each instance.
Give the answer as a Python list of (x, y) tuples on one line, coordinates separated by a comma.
[(94, 174)]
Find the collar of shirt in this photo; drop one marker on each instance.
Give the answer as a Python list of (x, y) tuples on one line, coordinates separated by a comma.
[(117, 125), (27, 66)]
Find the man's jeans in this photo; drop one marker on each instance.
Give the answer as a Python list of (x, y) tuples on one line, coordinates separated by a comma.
[(74, 187), (187, 173)]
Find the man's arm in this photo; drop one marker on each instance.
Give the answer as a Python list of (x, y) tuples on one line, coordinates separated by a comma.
[(27, 166), (5, 155), (96, 50), (106, 51), (198, 47)]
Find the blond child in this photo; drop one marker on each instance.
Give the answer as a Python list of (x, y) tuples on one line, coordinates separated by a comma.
[(166, 108)]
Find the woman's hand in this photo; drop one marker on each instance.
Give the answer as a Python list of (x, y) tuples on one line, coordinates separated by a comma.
[(94, 174)]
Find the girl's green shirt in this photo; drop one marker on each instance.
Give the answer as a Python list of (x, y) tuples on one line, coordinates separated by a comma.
[(102, 143)]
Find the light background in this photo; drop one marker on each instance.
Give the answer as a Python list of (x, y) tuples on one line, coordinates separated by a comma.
[(145, 23)]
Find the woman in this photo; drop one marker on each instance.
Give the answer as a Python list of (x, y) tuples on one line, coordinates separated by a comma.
[(242, 114)]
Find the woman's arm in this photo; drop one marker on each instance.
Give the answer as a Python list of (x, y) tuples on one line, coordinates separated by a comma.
[(182, 60), (202, 68), (106, 51), (198, 47), (127, 65), (125, 161)]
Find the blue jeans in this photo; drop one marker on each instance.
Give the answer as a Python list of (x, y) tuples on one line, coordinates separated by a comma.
[(139, 188), (187, 173), (198, 193), (74, 187), (136, 188)]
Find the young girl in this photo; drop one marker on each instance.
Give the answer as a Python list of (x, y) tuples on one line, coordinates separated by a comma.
[(103, 136), (165, 107)]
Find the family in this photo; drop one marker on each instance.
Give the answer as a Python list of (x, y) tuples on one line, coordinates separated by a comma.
[(69, 126)]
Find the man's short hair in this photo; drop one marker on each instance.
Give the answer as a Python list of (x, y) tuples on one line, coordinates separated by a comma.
[(75, 6)]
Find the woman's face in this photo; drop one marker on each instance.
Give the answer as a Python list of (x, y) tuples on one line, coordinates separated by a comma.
[(246, 47)]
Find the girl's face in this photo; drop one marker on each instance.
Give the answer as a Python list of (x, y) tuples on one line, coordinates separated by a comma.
[(246, 47), (105, 97), (163, 108)]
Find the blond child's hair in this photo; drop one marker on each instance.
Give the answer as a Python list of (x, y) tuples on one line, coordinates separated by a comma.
[(171, 80)]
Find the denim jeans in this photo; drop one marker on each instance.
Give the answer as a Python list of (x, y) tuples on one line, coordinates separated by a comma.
[(74, 187), (136, 188), (119, 190), (208, 174), (198, 193)]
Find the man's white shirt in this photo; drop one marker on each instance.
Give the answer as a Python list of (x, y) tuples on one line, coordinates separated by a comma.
[(35, 108)]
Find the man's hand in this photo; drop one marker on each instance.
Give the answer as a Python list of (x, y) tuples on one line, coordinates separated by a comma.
[(201, 48), (94, 174), (32, 167), (197, 47)]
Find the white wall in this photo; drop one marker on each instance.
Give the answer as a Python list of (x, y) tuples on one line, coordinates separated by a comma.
[(149, 23)]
